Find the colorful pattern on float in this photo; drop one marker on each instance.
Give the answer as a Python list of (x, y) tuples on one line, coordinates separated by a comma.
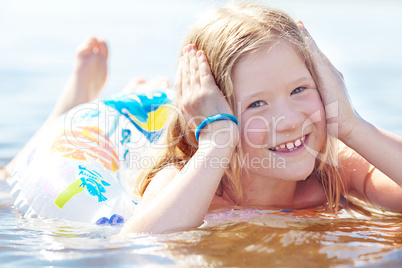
[(90, 180), (93, 182), (86, 141), (147, 112), (79, 169)]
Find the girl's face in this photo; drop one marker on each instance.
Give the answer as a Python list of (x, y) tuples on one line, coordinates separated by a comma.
[(282, 118)]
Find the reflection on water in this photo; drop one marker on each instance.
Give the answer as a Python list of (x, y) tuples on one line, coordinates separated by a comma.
[(325, 242), (328, 243)]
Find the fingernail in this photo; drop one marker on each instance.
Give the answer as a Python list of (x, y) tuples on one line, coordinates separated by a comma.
[(192, 50), (199, 54), (185, 49), (299, 24)]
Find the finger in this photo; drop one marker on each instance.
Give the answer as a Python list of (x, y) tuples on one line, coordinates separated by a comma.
[(178, 80), (316, 53), (185, 80), (311, 42), (185, 73), (194, 69), (307, 35), (206, 77)]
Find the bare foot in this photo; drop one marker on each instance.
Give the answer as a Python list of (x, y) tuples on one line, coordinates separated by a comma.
[(88, 77), (141, 85), (85, 84), (134, 84)]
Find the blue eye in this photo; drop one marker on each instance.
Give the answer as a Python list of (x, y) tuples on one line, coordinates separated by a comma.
[(297, 90), (257, 104)]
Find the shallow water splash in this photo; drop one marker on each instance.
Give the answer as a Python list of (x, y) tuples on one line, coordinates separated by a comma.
[(324, 243)]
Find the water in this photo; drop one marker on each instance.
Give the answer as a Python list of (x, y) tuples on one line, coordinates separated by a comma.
[(260, 242), (37, 43)]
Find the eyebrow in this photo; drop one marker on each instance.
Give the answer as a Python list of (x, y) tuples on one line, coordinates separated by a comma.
[(302, 79), (295, 81), (255, 94)]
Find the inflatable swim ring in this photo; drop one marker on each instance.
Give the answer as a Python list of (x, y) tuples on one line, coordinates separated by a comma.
[(80, 170)]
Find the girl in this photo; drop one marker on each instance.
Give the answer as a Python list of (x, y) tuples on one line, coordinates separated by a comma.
[(292, 107), (262, 112)]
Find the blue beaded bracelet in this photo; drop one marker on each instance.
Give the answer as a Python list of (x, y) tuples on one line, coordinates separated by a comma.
[(213, 118)]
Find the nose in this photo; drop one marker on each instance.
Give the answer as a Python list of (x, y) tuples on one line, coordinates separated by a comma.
[(287, 118)]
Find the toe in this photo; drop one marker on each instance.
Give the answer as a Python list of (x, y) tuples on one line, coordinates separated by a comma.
[(135, 84), (90, 42), (103, 49), (87, 47), (137, 81), (160, 83)]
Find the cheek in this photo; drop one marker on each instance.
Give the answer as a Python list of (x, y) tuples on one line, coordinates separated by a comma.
[(254, 130), (318, 108), (314, 109)]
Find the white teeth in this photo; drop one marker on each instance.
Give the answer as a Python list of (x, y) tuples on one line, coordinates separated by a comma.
[(297, 142), (290, 145)]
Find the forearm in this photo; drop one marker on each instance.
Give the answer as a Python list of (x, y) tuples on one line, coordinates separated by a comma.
[(381, 148), (184, 202)]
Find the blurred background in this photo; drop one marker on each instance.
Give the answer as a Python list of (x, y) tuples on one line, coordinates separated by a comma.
[(38, 39)]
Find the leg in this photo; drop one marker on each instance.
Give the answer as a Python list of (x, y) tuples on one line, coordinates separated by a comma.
[(85, 84), (88, 77)]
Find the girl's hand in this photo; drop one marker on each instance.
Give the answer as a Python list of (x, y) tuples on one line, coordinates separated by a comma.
[(340, 115), (197, 94)]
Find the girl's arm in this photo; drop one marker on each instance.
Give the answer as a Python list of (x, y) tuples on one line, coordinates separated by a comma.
[(383, 185), (364, 180), (185, 199), (380, 147), (377, 147)]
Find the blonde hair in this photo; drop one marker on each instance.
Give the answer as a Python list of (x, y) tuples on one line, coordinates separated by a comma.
[(231, 32)]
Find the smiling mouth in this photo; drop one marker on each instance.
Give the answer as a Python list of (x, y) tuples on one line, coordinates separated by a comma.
[(288, 146)]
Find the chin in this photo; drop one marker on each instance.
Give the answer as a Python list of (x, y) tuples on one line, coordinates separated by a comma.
[(298, 172)]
